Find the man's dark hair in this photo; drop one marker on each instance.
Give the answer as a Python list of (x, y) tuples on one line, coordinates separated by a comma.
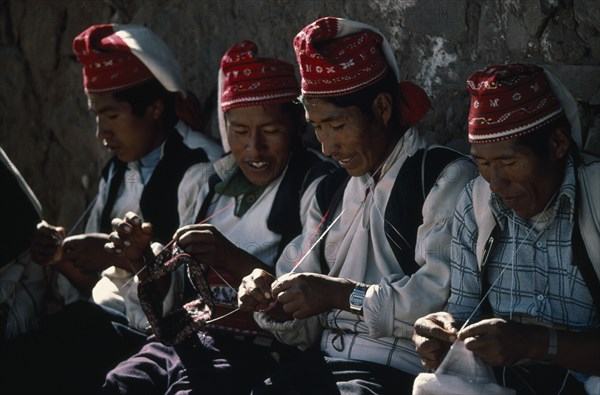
[(363, 99), (538, 141), (141, 96), (295, 111)]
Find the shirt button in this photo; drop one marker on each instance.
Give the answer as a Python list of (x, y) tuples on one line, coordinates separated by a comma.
[(539, 244), (540, 297)]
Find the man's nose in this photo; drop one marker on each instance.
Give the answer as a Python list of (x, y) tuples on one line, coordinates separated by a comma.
[(255, 142), (329, 145), (498, 182)]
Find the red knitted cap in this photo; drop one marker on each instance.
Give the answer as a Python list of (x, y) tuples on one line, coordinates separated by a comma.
[(334, 64), (509, 101), (116, 57), (249, 81)]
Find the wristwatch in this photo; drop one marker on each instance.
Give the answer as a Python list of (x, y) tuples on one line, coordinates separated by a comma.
[(357, 298)]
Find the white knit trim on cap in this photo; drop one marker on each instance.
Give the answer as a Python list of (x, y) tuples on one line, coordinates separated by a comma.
[(511, 132), (154, 53), (114, 88), (341, 92), (347, 27), (260, 98)]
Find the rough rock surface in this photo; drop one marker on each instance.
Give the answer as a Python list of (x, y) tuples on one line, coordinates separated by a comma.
[(46, 130)]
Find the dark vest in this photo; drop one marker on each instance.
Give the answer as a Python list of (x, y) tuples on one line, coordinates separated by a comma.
[(403, 213), (158, 203)]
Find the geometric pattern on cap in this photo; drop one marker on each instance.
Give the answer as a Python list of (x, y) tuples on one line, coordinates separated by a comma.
[(508, 101), (116, 57), (334, 65), (248, 80)]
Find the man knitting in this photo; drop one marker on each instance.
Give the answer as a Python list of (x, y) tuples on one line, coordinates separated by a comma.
[(384, 217), (135, 89), (253, 205), (525, 240)]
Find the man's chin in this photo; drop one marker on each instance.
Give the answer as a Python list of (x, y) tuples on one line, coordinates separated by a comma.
[(124, 157), (260, 178)]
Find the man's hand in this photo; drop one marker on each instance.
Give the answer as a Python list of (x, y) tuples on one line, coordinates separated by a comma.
[(503, 343), (131, 238), (207, 246), (254, 293), (87, 252), (433, 335), (46, 244), (305, 295)]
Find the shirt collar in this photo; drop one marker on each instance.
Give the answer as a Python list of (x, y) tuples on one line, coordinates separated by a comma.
[(566, 196), (145, 166), (225, 166), (152, 158)]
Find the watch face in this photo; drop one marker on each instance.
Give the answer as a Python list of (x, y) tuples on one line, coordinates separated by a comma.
[(357, 298)]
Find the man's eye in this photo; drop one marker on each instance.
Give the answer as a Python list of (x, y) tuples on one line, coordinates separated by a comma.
[(107, 115), (338, 127), (239, 131)]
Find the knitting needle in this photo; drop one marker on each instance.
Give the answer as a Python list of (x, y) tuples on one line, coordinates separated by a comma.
[(170, 243)]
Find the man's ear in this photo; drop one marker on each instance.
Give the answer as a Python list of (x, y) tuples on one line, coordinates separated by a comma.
[(156, 109), (560, 143), (382, 108)]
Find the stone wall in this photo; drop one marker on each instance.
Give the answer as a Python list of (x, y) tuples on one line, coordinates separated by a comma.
[(47, 132)]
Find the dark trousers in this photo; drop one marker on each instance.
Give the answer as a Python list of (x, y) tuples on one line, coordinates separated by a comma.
[(312, 373), (204, 364), (70, 353)]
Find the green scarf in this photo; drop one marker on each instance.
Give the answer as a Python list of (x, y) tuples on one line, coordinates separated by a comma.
[(238, 185)]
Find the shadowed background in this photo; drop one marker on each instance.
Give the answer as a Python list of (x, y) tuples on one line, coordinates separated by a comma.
[(47, 131)]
